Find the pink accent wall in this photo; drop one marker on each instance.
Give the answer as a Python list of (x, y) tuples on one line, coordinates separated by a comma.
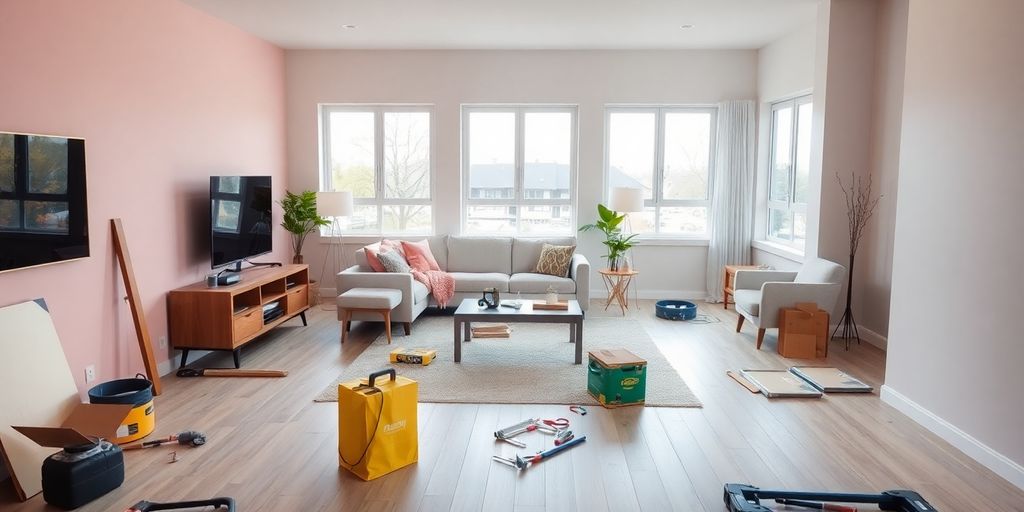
[(165, 96)]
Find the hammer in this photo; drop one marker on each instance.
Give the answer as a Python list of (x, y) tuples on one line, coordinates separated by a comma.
[(186, 438)]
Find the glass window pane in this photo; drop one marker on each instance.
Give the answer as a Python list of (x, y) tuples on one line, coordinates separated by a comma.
[(802, 172), (683, 220), (799, 229), (351, 148), (640, 222), (229, 184), (491, 219), (687, 155), (782, 135), (47, 165), (407, 155), (6, 163), (50, 216), (10, 214), (547, 155), (492, 148), (407, 219), (546, 219), (631, 150), (363, 219), (226, 216), (780, 224)]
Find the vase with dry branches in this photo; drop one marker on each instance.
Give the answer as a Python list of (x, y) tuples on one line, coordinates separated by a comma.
[(860, 206)]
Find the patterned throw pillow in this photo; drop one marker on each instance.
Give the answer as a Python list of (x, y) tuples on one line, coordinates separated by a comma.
[(554, 260), (394, 262)]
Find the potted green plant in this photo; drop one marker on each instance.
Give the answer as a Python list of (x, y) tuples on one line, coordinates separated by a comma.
[(300, 218), (609, 222)]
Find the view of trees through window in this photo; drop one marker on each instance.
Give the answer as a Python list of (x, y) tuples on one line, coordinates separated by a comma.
[(33, 183), (382, 155), (667, 153)]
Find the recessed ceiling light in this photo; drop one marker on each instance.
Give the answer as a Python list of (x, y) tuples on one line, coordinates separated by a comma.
[(349, 27), (684, 27)]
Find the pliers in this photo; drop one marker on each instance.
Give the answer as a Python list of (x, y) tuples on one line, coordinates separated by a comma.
[(578, 409)]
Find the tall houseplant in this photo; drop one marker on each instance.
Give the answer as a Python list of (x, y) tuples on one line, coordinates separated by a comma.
[(609, 222), (300, 218)]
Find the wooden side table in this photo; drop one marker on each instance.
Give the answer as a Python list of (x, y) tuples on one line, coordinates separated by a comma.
[(616, 283), (730, 279)]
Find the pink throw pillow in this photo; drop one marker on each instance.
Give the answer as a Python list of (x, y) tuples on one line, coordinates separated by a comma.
[(372, 251), (419, 256)]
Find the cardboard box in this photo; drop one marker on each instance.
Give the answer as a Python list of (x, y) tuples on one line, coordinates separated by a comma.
[(96, 420), (419, 356), (803, 331)]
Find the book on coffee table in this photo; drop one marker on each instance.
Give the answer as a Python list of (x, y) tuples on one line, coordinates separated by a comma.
[(491, 330), (544, 306)]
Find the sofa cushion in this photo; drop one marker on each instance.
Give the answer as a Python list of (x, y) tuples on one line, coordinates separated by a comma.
[(529, 282), (419, 256), (526, 251), (749, 300), (439, 248), (475, 282), (555, 260), (370, 298), (394, 262), (476, 254)]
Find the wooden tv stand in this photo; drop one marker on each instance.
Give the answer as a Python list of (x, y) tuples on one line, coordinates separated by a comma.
[(228, 317)]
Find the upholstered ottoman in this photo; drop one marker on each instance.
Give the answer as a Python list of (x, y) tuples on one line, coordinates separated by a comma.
[(373, 300)]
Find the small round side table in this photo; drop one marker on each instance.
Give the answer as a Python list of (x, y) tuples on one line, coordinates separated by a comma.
[(616, 283)]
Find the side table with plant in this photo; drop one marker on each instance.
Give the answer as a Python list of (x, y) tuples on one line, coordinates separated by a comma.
[(615, 241)]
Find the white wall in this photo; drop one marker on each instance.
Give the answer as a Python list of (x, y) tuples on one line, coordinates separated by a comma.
[(955, 349), (785, 69), (446, 79)]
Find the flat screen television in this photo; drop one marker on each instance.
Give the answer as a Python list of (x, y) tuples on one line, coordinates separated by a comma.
[(43, 214), (241, 226)]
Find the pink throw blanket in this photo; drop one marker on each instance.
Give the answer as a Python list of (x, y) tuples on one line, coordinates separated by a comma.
[(440, 283)]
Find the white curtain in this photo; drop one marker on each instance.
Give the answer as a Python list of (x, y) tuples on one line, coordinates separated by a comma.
[(732, 193)]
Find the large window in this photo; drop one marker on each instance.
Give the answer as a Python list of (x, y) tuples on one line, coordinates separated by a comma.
[(666, 151), (789, 171), (383, 154), (518, 170)]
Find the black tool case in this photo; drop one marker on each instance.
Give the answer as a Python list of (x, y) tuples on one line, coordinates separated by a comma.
[(81, 473)]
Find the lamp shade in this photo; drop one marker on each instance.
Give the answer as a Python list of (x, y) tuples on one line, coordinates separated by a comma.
[(626, 199), (334, 204)]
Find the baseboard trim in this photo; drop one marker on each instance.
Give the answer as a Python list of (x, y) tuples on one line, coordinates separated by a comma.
[(698, 295), (973, 448)]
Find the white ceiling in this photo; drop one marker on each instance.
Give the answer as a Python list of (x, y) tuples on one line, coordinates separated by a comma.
[(514, 24)]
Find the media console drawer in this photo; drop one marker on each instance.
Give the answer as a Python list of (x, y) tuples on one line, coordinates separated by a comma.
[(247, 324), (298, 298)]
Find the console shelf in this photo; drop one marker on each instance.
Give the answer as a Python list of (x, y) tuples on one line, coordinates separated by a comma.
[(228, 317)]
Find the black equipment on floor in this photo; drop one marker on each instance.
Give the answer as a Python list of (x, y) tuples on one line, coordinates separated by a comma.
[(81, 473), (745, 498), (217, 503)]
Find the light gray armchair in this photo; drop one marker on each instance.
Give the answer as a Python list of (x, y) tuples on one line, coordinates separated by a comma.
[(761, 293)]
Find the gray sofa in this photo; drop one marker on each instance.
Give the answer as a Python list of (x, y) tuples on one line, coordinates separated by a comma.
[(476, 263)]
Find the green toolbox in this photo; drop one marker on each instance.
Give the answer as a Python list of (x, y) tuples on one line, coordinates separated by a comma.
[(617, 377)]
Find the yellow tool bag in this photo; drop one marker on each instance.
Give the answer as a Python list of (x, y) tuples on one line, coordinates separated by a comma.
[(377, 424)]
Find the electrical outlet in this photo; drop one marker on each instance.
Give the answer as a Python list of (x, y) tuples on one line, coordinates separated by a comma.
[(90, 373), (163, 342)]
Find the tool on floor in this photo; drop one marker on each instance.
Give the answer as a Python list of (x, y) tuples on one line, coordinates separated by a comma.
[(563, 436), (229, 372), (578, 409), (815, 505), (521, 463), (557, 423), (746, 498), (186, 438), (552, 427), (217, 503)]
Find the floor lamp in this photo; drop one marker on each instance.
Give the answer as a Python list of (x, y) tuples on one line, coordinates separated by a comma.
[(627, 200), (333, 205)]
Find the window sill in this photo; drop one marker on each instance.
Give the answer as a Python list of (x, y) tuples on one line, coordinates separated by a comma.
[(782, 251), (678, 242), (367, 239)]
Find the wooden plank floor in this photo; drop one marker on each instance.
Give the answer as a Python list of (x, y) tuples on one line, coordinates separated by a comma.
[(273, 449)]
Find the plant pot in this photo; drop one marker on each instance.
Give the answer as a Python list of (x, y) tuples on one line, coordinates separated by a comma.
[(297, 259), (613, 263), (314, 293)]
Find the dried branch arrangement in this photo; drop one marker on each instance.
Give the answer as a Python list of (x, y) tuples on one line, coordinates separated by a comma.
[(860, 206)]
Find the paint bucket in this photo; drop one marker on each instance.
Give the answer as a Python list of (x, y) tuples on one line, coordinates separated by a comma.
[(138, 392)]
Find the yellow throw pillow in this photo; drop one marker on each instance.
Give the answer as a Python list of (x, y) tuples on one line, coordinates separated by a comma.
[(555, 259)]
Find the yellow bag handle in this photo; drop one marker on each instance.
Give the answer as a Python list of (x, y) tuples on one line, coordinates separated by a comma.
[(380, 413)]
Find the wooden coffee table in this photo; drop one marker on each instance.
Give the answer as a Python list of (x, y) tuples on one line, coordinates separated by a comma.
[(469, 311)]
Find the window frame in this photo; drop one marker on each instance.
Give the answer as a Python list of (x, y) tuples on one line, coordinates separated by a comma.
[(22, 194), (657, 200), (379, 200), (789, 206), (518, 199)]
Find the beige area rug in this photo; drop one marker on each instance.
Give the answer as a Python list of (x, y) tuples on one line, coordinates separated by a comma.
[(534, 366)]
